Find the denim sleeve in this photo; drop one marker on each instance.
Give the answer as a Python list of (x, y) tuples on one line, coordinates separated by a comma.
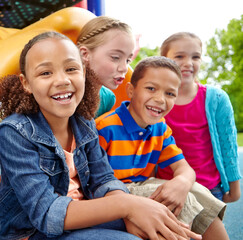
[(20, 160), (110, 186), (56, 216)]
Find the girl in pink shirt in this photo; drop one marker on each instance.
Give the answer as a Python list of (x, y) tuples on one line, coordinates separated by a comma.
[(202, 122)]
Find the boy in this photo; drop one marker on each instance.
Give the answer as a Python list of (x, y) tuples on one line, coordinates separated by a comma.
[(136, 138)]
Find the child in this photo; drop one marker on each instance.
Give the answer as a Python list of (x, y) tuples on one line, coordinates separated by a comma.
[(52, 163), (136, 138), (202, 122), (107, 46)]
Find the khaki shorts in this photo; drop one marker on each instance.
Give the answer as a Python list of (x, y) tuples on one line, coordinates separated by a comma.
[(200, 208)]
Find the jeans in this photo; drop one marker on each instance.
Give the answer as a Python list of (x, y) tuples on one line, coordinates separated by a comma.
[(218, 192), (107, 231)]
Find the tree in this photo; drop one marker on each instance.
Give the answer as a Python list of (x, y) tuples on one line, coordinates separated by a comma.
[(225, 50), (143, 53)]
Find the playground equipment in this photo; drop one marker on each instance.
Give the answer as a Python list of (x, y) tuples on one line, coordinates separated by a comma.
[(68, 21)]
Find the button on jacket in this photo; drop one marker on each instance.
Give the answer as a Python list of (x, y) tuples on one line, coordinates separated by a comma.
[(35, 176)]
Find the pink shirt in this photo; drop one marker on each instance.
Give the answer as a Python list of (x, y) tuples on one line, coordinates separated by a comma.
[(74, 190), (190, 130)]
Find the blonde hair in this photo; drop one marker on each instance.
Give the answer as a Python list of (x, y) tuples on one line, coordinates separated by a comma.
[(174, 37), (92, 34)]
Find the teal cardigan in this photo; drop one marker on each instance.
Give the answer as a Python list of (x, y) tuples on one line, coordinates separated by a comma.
[(223, 134)]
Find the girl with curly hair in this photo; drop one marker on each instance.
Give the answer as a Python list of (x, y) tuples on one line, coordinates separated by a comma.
[(56, 179)]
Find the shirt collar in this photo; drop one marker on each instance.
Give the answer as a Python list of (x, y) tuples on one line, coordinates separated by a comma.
[(128, 122)]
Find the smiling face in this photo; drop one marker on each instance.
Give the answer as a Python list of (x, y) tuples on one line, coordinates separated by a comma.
[(54, 75), (110, 60), (154, 95), (186, 52)]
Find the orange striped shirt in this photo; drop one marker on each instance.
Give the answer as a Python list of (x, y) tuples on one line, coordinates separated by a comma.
[(133, 151)]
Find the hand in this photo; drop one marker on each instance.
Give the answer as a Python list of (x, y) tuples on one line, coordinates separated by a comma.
[(234, 193), (133, 229), (150, 218), (171, 194), (189, 233)]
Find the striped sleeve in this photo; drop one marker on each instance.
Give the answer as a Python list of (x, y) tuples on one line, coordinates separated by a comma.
[(170, 152), (103, 124)]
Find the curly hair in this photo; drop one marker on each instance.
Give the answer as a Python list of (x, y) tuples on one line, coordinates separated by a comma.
[(91, 99), (14, 99)]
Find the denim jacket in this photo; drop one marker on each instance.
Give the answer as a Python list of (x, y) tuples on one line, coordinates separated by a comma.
[(35, 176)]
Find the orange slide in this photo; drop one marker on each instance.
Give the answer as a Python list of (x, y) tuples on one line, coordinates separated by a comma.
[(68, 21)]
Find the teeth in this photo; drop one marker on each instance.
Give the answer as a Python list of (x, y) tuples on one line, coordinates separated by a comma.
[(67, 95), (119, 78), (154, 109)]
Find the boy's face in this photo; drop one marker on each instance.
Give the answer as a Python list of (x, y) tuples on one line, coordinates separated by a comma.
[(154, 96)]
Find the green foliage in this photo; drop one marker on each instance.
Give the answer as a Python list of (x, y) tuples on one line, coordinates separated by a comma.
[(143, 53), (225, 50), (240, 139)]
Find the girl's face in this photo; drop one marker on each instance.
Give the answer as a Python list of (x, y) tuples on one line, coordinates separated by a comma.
[(110, 61), (186, 52), (154, 95), (54, 74)]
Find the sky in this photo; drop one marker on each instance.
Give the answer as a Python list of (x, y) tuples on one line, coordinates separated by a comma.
[(155, 20)]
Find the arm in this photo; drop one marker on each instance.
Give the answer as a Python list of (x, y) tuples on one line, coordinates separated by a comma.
[(132, 228), (234, 192), (35, 196), (171, 193), (227, 161), (117, 204)]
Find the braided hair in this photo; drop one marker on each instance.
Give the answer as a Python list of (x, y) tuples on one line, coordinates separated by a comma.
[(92, 35)]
